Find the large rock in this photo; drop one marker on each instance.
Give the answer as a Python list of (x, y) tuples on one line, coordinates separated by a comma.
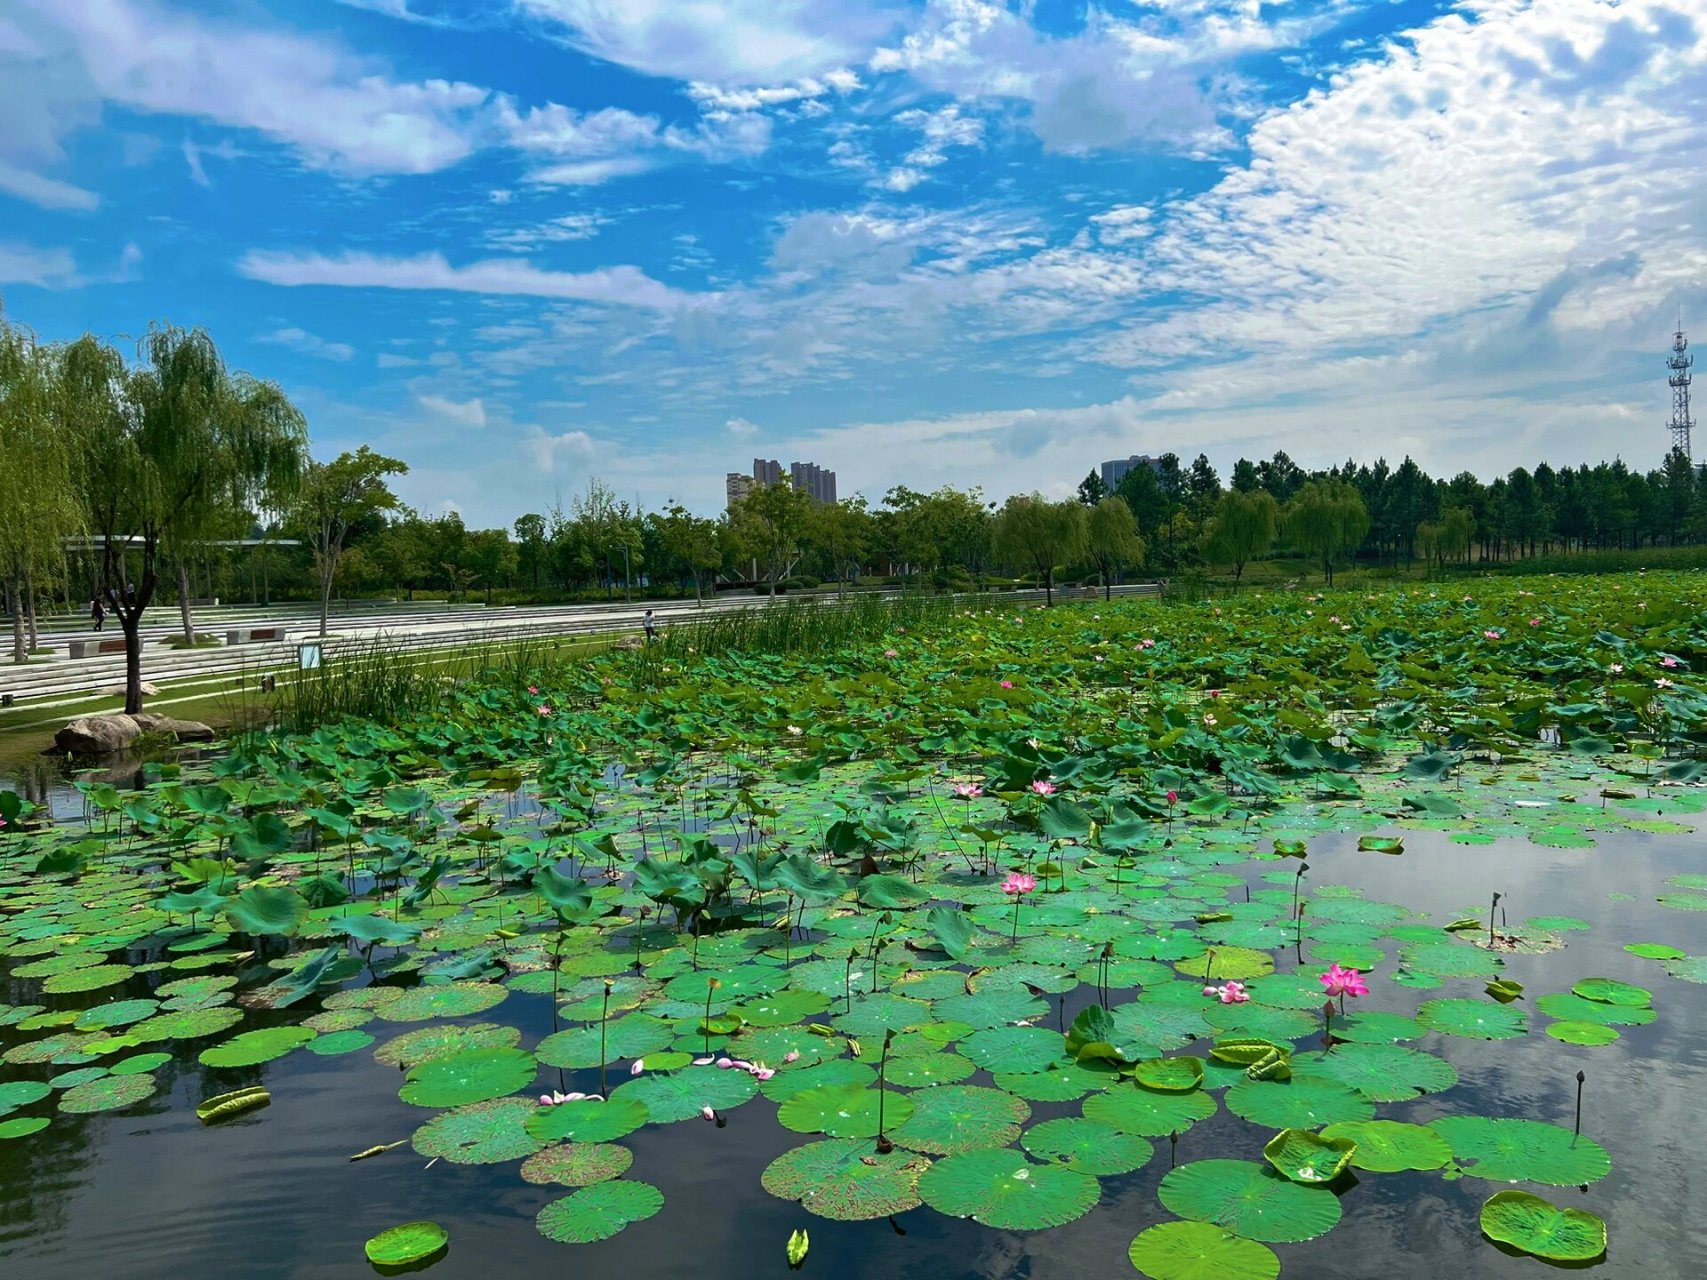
[(97, 735), (148, 691), (183, 730), (104, 735)]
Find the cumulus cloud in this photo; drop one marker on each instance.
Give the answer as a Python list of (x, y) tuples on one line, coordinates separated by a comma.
[(44, 268), (741, 428), (464, 413), (548, 452)]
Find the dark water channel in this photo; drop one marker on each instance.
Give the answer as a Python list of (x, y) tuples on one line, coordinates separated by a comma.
[(152, 1193)]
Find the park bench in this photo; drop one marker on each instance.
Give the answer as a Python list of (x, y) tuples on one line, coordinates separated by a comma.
[(90, 647), (253, 635)]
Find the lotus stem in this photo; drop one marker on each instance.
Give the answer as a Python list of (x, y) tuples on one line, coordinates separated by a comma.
[(1579, 1129), (1491, 908), (711, 985), (604, 1014), (884, 1146)]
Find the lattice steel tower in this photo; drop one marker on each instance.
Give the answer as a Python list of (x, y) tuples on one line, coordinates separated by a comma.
[(1679, 364)]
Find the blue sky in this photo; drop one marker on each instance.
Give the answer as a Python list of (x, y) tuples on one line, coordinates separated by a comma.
[(519, 243)]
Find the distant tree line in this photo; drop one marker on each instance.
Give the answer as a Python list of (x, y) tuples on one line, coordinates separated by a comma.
[(124, 479)]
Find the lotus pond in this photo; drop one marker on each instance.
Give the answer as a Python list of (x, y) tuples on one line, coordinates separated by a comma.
[(1343, 935)]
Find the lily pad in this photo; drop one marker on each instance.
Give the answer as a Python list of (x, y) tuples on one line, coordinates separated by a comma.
[(22, 1127), (109, 1093), (1589, 1034), (452, 1000), (583, 1119), (1387, 1146), (956, 1118), (473, 1075), (844, 1111), (1535, 1226), (1014, 1050), (1523, 1151), (401, 1246), (1200, 1251), (482, 1133), (678, 1095), (1380, 1072), (1170, 1075), (1308, 1158), (843, 1179), (1086, 1145), (1250, 1200), (1299, 1103), (1001, 1188), (431, 1042), (577, 1164), (253, 1047), (598, 1212), (1473, 1019), (1611, 991), (1140, 1111)]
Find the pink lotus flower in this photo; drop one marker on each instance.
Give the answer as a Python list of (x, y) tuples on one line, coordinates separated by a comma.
[(1019, 882), (1234, 993), (793, 1055), (1043, 787), (638, 1067), (1535, 622), (1343, 982), (890, 653), (544, 710), (1490, 635), (1212, 990), (1007, 684), (1668, 661), (1146, 643), (706, 1113), (762, 1072), (1172, 795), (968, 790)]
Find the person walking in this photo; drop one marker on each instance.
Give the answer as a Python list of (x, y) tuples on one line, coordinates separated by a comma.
[(98, 612), (650, 625)]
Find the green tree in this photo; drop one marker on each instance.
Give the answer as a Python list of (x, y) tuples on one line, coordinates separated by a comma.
[(1326, 518), (1030, 531), (337, 495), (531, 546), (1112, 541), (39, 502), (1242, 528), (165, 449), (692, 545), (845, 533), (770, 523), (491, 557), (1091, 489)]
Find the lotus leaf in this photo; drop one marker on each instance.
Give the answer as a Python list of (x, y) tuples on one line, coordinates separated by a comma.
[(1307, 1157), (470, 1075), (679, 1095), (1472, 1019), (842, 1179), (598, 1212), (1087, 1146), (482, 1133), (844, 1111), (1200, 1251), (1387, 1146), (583, 1119), (577, 1164), (1139, 1111), (109, 1093), (957, 1118), (1523, 1151), (1001, 1188), (252, 1047), (406, 1244), (1529, 1223), (1251, 1200)]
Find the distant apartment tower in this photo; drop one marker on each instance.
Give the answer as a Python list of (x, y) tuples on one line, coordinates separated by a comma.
[(736, 487), (1114, 472), (766, 472), (812, 479)]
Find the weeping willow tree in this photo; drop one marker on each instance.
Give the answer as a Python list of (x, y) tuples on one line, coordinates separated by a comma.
[(174, 449), (39, 502)]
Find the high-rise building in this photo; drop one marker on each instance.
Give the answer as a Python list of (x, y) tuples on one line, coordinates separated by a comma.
[(810, 478), (1115, 471), (735, 487), (766, 472)]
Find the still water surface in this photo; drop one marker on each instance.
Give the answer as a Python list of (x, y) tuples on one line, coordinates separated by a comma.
[(152, 1193)]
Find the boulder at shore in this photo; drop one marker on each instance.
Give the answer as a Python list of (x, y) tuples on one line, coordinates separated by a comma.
[(103, 735)]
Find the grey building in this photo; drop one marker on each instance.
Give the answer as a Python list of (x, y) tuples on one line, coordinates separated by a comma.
[(1114, 472), (766, 472), (812, 479)]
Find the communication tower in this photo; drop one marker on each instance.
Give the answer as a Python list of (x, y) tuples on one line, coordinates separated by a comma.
[(1679, 364)]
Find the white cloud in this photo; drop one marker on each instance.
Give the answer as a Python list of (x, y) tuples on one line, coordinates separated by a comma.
[(308, 344), (722, 42), (741, 428), (390, 360), (568, 227), (44, 268), (469, 414), (570, 448), (49, 193), (617, 286), (336, 109)]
